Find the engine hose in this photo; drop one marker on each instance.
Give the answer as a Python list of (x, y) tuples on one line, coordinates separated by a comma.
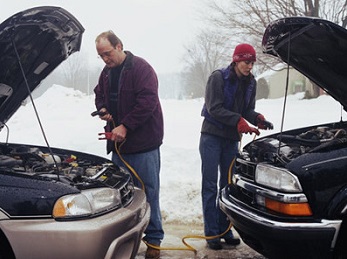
[(187, 246)]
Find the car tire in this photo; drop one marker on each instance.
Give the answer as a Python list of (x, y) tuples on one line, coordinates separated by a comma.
[(5, 248), (340, 251)]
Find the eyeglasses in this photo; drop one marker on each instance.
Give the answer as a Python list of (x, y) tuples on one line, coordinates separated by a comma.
[(106, 53)]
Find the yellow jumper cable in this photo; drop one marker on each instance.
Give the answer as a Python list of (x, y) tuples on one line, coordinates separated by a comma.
[(187, 246)]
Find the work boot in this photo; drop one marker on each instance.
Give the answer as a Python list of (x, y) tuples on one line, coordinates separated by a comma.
[(152, 253), (234, 241), (214, 245)]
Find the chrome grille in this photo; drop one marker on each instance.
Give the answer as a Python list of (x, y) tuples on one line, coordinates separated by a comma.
[(245, 169)]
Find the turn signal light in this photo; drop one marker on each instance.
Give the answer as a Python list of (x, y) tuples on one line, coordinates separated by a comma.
[(293, 209)]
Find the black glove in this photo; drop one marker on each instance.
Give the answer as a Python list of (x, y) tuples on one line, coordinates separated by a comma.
[(263, 124)]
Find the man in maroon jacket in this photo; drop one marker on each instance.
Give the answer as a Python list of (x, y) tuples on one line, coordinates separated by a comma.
[(127, 92)]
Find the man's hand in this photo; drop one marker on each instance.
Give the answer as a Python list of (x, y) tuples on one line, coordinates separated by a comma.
[(119, 133), (104, 115), (243, 127)]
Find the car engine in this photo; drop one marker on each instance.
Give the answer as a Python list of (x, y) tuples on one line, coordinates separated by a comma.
[(75, 168), (281, 149)]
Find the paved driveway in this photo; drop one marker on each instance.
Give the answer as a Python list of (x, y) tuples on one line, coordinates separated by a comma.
[(173, 239)]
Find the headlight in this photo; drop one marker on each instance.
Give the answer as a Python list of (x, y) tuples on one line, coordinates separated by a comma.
[(87, 203), (277, 178)]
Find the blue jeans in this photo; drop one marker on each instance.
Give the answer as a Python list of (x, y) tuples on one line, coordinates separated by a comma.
[(216, 156), (147, 166)]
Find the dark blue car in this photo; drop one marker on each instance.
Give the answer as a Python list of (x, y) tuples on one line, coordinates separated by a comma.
[(288, 194)]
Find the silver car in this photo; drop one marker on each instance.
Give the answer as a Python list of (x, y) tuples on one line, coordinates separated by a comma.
[(57, 203)]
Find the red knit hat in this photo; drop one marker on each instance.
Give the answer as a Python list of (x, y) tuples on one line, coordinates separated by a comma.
[(244, 52)]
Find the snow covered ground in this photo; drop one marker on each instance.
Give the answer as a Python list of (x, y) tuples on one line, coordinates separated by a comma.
[(66, 119)]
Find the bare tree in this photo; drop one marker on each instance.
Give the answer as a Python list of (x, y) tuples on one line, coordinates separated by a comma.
[(248, 19), (75, 71), (245, 21), (335, 11), (206, 54)]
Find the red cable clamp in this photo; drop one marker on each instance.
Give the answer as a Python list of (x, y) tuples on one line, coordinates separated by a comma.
[(107, 135)]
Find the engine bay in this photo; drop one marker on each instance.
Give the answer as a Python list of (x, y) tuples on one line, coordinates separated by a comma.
[(281, 149), (74, 168)]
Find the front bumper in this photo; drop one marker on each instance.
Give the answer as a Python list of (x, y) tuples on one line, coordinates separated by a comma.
[(114, 235), (280, 239)]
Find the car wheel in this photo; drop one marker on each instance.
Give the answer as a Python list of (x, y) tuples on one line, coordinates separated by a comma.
[(340, 251), (5, 248)]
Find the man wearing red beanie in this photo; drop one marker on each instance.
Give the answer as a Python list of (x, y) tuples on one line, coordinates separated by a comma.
[(229, 102)]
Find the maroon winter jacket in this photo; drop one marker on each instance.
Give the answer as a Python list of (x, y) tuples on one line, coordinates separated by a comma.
[(138, 107)]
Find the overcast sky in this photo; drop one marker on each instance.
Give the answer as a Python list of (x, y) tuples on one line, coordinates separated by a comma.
[(156, 30)]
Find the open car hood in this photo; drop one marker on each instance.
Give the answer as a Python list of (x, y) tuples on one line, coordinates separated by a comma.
[(315, 47), (32, 44)]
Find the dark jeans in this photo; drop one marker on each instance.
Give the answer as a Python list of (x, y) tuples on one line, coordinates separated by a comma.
[(216, 156), (147, 166)]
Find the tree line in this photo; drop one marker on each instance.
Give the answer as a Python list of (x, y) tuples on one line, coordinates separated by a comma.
[(234, 21), (227, 24)]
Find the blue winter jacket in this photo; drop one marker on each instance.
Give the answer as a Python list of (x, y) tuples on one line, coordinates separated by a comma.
[(227, 98)]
